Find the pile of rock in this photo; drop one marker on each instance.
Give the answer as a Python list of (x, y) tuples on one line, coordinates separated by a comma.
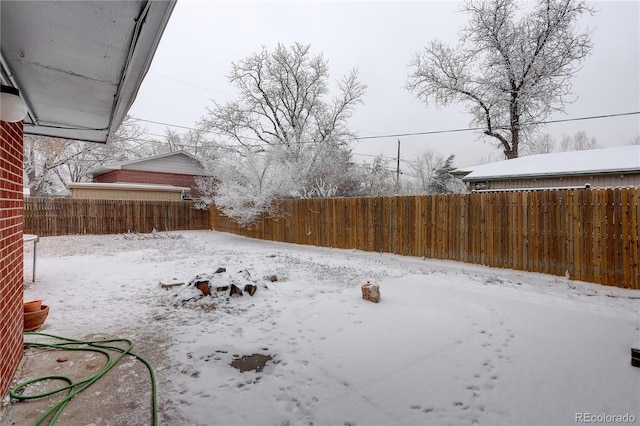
[(213, 284), (205, 285)]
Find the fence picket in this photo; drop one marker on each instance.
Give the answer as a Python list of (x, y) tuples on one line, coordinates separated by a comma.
[(60, 216), (634, 238)]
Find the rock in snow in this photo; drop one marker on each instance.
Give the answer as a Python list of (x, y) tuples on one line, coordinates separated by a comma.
[(371, 292)]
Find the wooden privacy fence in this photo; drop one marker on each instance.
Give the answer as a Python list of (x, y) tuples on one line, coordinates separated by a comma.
[(591, 234), (64, 216)]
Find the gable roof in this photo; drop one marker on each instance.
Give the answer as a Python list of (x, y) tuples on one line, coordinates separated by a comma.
[(79, 64), (179, 162), (622, 159)]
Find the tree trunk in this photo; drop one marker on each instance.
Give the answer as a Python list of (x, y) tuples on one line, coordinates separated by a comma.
[(511, 152), (514, 119)]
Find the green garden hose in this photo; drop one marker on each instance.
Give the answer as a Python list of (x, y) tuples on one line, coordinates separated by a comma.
[(74, 388)]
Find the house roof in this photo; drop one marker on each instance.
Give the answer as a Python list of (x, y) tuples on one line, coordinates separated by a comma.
[(78, 64), (180, 162), (622, 159)]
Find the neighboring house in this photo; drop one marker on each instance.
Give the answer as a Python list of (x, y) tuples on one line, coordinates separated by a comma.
[(175, 168), (68, 69), (596, 168)]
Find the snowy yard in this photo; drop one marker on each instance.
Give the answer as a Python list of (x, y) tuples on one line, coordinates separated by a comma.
[(450, 343)]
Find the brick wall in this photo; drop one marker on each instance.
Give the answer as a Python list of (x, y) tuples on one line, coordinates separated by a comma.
[(158, 178), (11, 251)]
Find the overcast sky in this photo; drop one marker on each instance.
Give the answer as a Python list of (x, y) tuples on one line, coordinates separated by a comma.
[(379, 38)]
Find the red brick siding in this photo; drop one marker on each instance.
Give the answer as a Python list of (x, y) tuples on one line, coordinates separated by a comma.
[(11, 251), (158, 178)]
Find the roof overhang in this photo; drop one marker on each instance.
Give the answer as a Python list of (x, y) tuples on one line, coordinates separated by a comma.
[(79, 64), (460, 173)]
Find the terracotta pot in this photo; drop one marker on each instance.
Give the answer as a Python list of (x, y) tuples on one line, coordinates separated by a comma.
[(32, 306), (34, 320)]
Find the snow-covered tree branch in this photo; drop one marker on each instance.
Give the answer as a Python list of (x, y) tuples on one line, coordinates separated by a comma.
[(510, 67), (283, 137)]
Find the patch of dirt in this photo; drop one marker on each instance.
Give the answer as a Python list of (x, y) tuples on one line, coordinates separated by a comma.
[(255, 362)]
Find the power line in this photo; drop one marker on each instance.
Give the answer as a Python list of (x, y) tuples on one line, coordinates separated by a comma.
[(190, 128), (164, 124), (190, 84), (432, 132), (371, 155), (593, 117)]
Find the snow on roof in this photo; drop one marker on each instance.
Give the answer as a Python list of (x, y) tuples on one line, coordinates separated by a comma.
[(119, 164), (607, 160)]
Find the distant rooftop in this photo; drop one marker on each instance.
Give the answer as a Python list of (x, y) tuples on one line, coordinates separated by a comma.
[(623, 159), (170, 162)]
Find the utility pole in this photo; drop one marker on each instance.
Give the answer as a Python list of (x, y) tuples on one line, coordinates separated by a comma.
[(398, 170)]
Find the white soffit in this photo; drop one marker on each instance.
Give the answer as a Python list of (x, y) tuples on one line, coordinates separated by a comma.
[(79, 64)]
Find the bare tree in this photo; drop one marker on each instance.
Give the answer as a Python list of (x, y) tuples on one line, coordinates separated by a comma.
[(51, 163), (282, 114), (430, 173), (376, 179), (281, 101), (127, 142), (510, 67), (42, 155), (193, 141), (173, 141), (422, 170), (578, 142), (245, 183), (325, 172), (196, 142), (79, 159), (539, 144)]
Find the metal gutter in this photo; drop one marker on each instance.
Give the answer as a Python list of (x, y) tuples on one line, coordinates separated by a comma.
[(8, 78), (141, 67)]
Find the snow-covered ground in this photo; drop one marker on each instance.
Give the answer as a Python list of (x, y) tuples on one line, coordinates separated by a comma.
[(450, 343)]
